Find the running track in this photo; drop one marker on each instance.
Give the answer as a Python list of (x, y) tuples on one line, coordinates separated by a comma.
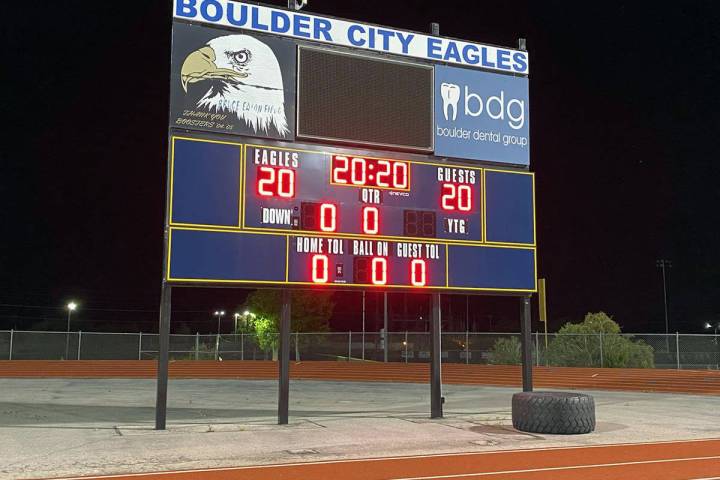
[(652, 461), (699, 382)]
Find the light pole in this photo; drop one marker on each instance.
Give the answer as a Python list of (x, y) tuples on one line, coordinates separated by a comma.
[(71, 308), (663, 264), (235, 316), (715, 327), (219, 314)]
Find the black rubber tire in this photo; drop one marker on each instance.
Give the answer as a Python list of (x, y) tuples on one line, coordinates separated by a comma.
[(553, 412)]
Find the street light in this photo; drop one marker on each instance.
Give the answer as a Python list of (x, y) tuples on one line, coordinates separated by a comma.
[(71, 307), (219, 314), (716, 327)]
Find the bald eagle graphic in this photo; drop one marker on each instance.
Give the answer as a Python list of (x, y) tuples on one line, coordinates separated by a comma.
[(242, 77)]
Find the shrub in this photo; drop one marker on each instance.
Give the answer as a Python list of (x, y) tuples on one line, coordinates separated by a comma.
[(578, 345), (505, 351)]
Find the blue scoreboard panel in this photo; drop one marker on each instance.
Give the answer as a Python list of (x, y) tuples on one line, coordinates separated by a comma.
[(255, 211)]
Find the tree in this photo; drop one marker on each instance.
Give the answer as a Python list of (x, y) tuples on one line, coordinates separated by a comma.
[(505, 351), (309, 312), (579, 345)]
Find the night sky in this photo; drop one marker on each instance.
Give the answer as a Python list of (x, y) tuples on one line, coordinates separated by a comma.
[(624, 130)]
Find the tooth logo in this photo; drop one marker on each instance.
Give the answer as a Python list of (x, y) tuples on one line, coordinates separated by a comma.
[(450, 94)]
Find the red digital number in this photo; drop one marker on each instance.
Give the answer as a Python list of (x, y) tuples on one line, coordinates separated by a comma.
[(276, 182), (378, 269), (384, 175), (400, 176), (370, 220), (340, 169), (418, 273), (328, 217), (369, 172), (358, 173), (320, 268), (456, 197)]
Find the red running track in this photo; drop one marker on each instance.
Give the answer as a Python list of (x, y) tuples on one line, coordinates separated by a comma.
[(700, 382), (651, 461)]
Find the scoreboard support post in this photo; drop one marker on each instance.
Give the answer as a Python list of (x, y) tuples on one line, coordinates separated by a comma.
[(284, 363), (525, 328), (436, 408), (163, 354), (363, 325), (386, 337)]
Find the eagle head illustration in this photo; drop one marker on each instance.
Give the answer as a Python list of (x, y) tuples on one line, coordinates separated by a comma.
[(243, 77)]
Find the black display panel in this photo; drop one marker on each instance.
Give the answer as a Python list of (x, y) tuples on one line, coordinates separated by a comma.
[(364, 100)]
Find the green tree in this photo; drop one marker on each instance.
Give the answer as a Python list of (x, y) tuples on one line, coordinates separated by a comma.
[(505, 351), (309, 312), (579, 345)]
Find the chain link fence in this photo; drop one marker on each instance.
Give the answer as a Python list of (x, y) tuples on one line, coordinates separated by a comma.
[(678, 351)]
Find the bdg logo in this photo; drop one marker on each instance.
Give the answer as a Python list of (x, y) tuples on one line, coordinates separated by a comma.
[(495, 107)]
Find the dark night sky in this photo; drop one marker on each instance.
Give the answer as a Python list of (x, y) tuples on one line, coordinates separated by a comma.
[(624, 128)]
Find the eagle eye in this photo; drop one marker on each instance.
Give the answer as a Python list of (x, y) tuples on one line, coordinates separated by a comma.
[(239, 58)]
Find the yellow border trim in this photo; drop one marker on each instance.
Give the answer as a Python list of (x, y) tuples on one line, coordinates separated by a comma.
[(169, 278), (287, 258), (241, 201), (484, 211), (447, 266)]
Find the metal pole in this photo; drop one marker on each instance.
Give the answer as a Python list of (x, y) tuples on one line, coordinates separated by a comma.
[(297, 346), (662, 266), (537, 348), (79, 343), (385, 326), (197, 346), (163, 354), (67, 336), (217, 340), (677, 349), (406, 346), (526, 346), (242, 346), (602, 360), (12, 332), (140, 346), (363, 325), (547, 362), (349, 345), (284, 363), (467, 347), (467, 313), (436, 407)]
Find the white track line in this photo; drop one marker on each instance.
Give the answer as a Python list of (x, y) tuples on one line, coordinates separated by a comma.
[(554, 469), (381, 459)]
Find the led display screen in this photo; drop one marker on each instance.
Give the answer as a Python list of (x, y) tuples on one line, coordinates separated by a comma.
[(366, 100)]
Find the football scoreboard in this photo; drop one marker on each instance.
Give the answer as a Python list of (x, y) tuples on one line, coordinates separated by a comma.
[(297, 163)]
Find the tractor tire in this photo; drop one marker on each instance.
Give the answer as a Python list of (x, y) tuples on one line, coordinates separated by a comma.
[(562, 413)]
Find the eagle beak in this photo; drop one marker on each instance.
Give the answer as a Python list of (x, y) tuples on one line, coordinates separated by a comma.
[(200, 65)]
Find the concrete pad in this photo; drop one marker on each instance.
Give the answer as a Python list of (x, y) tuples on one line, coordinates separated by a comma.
[(62, 427)]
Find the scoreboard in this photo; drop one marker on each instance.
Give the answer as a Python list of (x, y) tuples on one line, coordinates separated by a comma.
[(266, 212), (321, 171)]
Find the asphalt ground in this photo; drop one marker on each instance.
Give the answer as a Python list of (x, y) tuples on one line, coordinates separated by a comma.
[(67, 427)]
